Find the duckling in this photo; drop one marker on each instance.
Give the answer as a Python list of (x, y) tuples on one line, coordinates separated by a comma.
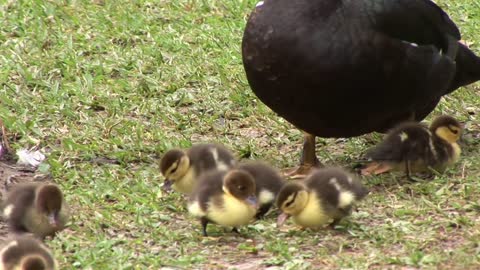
[(268, 183), (38, 208), (26, 253), (302, 60), (226, 198), (326, 195), (412, 147), (182, 168)]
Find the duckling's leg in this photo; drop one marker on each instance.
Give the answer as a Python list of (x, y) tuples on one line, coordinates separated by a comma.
[(334, 223), (204, 222), (408, 171), (308, 160), (235, 230), (262, 211)]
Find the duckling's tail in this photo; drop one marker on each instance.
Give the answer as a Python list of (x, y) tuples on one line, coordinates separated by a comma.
[(468, 68)]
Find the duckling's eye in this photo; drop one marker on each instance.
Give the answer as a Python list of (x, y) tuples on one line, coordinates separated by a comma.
[(241, 188), (292, 199), (454, 131), (174, 169)]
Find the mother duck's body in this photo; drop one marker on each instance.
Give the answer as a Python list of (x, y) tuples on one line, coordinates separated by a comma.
[(343, 68)]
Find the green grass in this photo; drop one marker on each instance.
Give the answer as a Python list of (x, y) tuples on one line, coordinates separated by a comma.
[(92, 81)]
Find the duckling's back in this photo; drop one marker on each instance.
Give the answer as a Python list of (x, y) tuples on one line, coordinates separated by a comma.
[(266, 178), (411, 142), (18, 202), (336, 189), (209, 187), (205, 157)]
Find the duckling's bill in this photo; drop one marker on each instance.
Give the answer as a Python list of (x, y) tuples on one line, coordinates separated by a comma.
[(167, 185), (252, 200), (53, 220), (282, 218)]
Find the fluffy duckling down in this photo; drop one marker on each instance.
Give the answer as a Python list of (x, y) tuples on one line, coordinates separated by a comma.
[(38, 208), (268, 183), (181, 168), (226, 198), (412, 147), (325, 197), (24, 252)]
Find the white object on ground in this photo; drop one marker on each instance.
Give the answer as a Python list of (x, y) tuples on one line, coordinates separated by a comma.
[(32, 158)]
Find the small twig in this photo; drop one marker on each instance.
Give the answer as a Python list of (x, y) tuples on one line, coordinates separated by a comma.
[(108, 132), (4, 137)]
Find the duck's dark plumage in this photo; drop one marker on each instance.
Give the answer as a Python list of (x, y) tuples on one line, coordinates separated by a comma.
[(345, 68)]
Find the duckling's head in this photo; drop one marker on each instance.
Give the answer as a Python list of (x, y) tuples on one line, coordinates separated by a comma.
[(174, 165), (33, 262), (240, 185), (447, 128), (49, 202), (291, 199)]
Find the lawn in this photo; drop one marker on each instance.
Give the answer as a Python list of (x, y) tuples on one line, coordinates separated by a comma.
[(105, 87)]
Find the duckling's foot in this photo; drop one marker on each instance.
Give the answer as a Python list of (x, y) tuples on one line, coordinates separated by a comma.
[(376, 168)]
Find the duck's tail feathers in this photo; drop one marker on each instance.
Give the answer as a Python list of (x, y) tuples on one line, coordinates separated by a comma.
[(467, 68)]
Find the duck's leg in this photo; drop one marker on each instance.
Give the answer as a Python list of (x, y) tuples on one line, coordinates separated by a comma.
[(204, 222), (308, 160)]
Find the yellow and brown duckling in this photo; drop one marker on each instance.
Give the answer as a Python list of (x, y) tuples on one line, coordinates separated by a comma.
[(182, 168), (325, 197), (268, 183), (226, 198), (24, 252), (38, 208), (412, 147)]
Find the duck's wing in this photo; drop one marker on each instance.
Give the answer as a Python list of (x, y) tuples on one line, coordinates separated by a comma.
[(425, 23), (418, 21)]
